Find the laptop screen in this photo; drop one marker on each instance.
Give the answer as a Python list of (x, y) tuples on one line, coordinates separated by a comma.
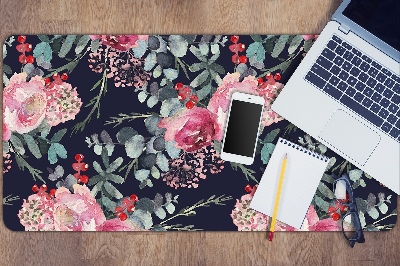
[(379, 17)]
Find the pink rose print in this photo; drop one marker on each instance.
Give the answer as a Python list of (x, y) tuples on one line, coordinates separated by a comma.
[(192, 129), (120, 42)]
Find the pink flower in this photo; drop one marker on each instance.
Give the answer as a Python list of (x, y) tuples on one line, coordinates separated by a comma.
[(63, 103), (120, 42), (117, 225), (309, 37), (78, 211), (36, 213), (24, 104), (219, 102), (313, 223), (192, 129)]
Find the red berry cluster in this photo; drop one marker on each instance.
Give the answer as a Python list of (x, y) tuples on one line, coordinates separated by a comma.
[(57, 79), (78, 167), (333, 210), (269, 80), (128, 205), (41, 191), (237, 47), (185, 93), (250, 189), (23, 48)]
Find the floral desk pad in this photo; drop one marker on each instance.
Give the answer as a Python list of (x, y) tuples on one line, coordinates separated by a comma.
[(123, 133)]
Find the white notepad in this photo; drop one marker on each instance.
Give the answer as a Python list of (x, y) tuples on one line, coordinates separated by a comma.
[(304, 170)]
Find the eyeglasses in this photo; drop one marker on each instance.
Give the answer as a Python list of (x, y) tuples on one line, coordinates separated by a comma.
[(351, 217)]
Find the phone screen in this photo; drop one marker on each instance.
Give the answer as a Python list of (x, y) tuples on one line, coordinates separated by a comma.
[(241, 133)]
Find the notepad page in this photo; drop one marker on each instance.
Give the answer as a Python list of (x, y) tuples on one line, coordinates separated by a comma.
[(302, 176)]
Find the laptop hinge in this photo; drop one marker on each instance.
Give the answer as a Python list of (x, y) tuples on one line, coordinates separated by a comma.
[(344, 29)]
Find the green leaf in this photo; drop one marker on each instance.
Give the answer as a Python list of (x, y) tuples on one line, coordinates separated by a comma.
[(143, 218), (295, 43), (43, 49), (109, 204), (170, 208), (83, 41), (44, 38), (32, 146), (197, 53), (96, 188), (17, 144), (140, 49), (157, 71), (197, 66), (307, 45), (321, 203), (355, 174), (269, 45), (134, 146), (149, 183), (145, 204), (200, 79), (142, 96), (373, 212), (150, 61), (52, 154), (361, 205), (94, 180), (58, 135), (155, 172), (271, 135), (266, 152), (114, 165), (178, 45), (204, 92), (162, 162), (383, 208), (160, 213), (7, 69), (113, 191), (95, 44), (204, 48), (325, 190), (142, 174), (60, 150), (279, 45), (115, 178), (125, 134), (214, 48), (170, 106), (170, 73), (327, 178), (256, 49), (256, 38), (151, 124), (172, 151), (67, 45), (152, 101)]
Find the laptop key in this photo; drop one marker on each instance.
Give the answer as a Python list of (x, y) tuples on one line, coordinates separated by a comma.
[(391, 119), (384, 102), (356, 61), (364, 66), (386, 127), (368, 91), (367, 102), (376, 97), (334, 80), (337, 39), (389, 83), (363, 77), (328, 54), (396, 78), (394, 132), (338, 61), (355, 71), (314, 79), (343, 75), (381, 77), (385, 71), (360, 86), (335, 70), (376, 65), (396, 88), (396, 99), (340, 50), (393, 108), (388, 93), (362, 111), (321, 72), (375, 108), (359, 97), (348, 55), (350, 91), (379, 88), (371, 82), (346, 45), (351, 81), (331, 44), (383, 113), (373, 72), (346, 66), (397, 124), (342, 86), (355, 51), (322, 61), (332, 91)]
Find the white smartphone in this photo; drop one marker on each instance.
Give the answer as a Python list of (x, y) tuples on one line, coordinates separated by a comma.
[(241, 129)]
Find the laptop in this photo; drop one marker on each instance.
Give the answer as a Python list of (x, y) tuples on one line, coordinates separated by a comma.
[(346, 93)]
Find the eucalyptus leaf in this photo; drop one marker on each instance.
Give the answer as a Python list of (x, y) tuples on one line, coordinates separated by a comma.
[(114, 165), (162, 162), (170, 73), (145, 204), (170, 208), (204, 92), (170, 107), (150, 61), (373, 212), (361, 205), (58, 135), (204, 48), (134, 146), (142, 96), (155, 172), (125, 134), (67, 45), (178, 45), (171, 149), (279, 45), (214, 48), (157, 71), (383, 208), (256, 49), (140, 49), (142, 218), (151, 124), (266, 152), (295, 43), (142, 174), (200, 79), (355, 174), (109, 204), (271, 135), (83, 41), (94, 45), (43, 49), (160, 212), (152, 101), (32, 146), (113, 191)]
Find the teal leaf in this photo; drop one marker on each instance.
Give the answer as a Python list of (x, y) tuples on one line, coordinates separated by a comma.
[(142, 174), (373, 212), (295, 43), (142, 218), (17, 144), (140, 50), (172, 151), (43, 49), (200, 79), (160, 213), (204, 48), (197, 53), (266, 152), (109, 204), (150, 61), (60, 150), (114, 165), (355, 174), (361, 205), (153, 100), (145, 204), (151, 124), (170, 73), (83, 41), (142, 96), (52, 154), (170, 208), (149, 183), (115, 178), (67, 45), (170, 106), (32, 146), (97, 167), (214, 48), (383, 208), (327, 178), (44, 38), (162, 162), (125, 133), (197, 66), (204, 92), (324, 205), (7, 69), (157, 71), (256, 49), (178, 45), (95, 44), (271, 135), (134, 146), (307, 45), (113, 191), (98, 149), (6, 147), (155, 172), (325, 191), (279, 45), (58, 135), (256, 38)]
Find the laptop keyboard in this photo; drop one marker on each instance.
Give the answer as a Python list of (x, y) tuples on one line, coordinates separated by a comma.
[(360, 83)]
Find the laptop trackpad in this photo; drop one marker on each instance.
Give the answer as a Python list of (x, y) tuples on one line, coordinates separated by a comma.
[(350, 136)]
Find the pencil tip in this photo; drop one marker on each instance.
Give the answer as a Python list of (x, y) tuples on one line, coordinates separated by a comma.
[(285, 155)]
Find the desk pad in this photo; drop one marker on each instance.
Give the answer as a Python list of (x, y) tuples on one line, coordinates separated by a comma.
[(123, 133)]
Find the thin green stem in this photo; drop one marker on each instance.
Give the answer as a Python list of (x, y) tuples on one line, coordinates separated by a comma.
[(117, 120)]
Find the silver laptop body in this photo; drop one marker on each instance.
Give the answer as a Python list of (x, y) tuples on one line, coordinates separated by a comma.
[(345, 93)]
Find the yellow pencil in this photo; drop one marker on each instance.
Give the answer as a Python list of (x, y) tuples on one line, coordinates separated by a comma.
[(277, 198)]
